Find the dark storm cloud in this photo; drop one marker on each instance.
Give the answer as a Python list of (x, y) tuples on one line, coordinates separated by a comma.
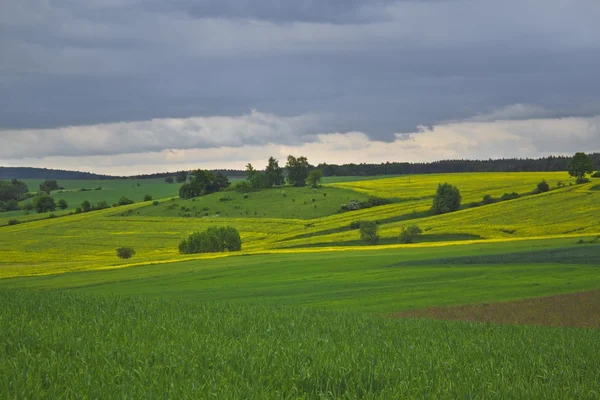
[(377, 67)]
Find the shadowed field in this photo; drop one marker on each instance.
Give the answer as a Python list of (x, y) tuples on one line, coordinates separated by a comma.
[(572, 309)]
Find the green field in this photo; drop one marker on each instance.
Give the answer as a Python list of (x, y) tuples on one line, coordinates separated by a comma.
[(306, 309)]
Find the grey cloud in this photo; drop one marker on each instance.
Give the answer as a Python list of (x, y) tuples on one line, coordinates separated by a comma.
[(378, 67)]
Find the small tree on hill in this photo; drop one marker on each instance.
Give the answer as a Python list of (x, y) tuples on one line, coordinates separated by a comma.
[(169, 179), (409, 233), (447, 199), (314, 178), (62, 204), (273, 173), (368, 232), (44, 203), (580, 165), (542, 187), (49, 185), (86, 206)]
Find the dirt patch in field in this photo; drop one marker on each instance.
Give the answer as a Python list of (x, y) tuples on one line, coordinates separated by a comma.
[(574, 309)]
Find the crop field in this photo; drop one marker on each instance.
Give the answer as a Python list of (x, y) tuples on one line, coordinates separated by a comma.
[(306, 309), (62, 345)]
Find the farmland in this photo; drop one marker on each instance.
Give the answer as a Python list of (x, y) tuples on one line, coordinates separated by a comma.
[(307, 309)]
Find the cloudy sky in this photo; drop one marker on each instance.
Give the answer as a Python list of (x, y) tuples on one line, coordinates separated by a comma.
[(139, 86)]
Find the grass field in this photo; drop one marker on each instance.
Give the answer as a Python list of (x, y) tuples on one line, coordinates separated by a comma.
[(306, 310)]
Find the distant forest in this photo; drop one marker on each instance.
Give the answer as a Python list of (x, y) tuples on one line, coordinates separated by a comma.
[(551, 163)]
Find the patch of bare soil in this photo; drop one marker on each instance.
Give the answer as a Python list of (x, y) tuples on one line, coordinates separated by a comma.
[(574, 309)]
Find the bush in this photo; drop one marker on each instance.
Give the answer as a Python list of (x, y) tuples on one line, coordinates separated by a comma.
[(155, 203), (596, 174), (28, 206), (147, 197), (124, 201), (581, 179), (213, 240), (125, 252), (13, 221), (487, 199), (510, 196), (447, 199), (542, 187), (101, 205), (78, 210), (368, 232), (409, 233)]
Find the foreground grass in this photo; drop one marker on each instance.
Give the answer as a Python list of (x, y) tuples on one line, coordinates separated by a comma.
[(61, 345), (382, 280)]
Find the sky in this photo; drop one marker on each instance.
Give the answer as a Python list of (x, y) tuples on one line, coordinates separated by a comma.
[(140, 86)]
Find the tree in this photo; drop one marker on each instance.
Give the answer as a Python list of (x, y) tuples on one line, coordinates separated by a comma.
[(212, 240), (368, 232), (125, 252), (44, 203), (447, 199), (314, 178), (62, 204), (409, 233), (49, 185), (297, 170), (147, 197), (11, 205), (169, 179), (273, 173), (181, 176), (250, 172), (580, 165), (86, 206)]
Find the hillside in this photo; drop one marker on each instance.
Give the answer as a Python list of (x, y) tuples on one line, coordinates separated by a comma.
[(7, 173)]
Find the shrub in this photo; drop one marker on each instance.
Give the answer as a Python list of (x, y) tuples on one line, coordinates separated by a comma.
[(78, 210), (581, 179), (52, 216), (245, 196), (409, 233), (28, 206), (351, 206), (147, 197), (13, 221), (124, 201), (488, 199), (596, 174), (125, 252), (212, 240), (510, 196), (542, 187), (155, 203), (368, 232), (447, 199), (101, 205)]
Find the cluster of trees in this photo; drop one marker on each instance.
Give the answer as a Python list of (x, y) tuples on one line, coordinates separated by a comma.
[(297, 172), (203, 182), (551, 163), (212, 240), (13, 190), (49, 185)]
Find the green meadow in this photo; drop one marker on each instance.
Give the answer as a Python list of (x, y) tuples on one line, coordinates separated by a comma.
[(306, 309)]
